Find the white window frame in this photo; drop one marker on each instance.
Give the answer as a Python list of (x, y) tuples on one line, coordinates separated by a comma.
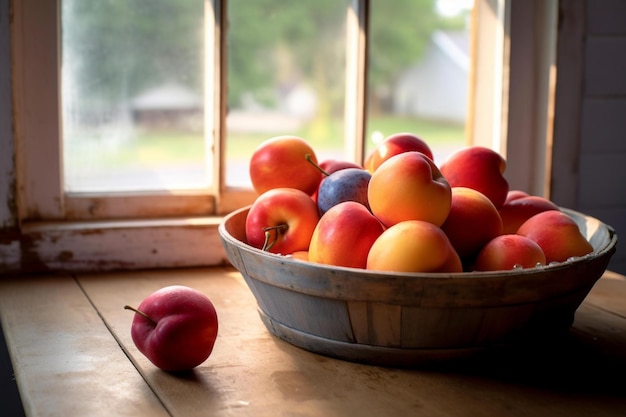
[(52, 231)]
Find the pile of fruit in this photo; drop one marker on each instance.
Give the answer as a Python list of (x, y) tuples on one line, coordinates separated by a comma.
[(401, 212)]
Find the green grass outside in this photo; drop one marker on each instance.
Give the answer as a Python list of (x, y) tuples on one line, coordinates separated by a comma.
[(157, 148)]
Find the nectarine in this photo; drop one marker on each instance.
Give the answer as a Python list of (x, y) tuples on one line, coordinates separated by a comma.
[(394, 145), (479, 168), (557, 234), (472, 222), (344, 234), (509, 251), (516, 211)]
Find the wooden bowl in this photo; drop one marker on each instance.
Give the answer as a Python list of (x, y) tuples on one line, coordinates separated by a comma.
[(408, 319)]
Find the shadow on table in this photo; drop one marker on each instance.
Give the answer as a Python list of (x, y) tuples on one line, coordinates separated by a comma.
[(10, 402), (569, 363)]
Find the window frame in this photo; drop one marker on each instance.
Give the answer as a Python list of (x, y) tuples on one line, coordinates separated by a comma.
[(87, 232)]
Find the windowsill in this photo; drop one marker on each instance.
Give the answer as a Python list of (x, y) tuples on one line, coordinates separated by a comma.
[(107, 245), (68, 226)]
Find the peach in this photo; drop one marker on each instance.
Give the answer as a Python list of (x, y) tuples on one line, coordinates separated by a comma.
[(411, 246), (513, 194), (301, 255), (281, 162), (479, 168), (557, 234), (333, 165), (394, 145), (509, 251), (516, 211), (452, 263), (344, 234), (472, 222), (409, 186)]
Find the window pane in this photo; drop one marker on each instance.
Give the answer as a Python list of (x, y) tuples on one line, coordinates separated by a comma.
[(418, 72), (132, 94), (286, 72)]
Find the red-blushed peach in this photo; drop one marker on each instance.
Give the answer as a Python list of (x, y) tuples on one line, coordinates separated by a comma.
[(281, 220), (344, 235), (557, 234), (281, 162), (333, 165), (409, 186), (509, 251), (479, 168), (410, 246), (518, 210), (472, 222), (452, 263), (394, 145), (513, 194), (301, 255)]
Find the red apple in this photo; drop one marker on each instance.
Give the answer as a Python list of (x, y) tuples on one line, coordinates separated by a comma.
[(344, 235), (282, 162), (472, 222), (557, 234), (412, 246), (479, 168), (175, 328), (281, 220), (516, 211), (509, 251), (409, 186), (394, 145)]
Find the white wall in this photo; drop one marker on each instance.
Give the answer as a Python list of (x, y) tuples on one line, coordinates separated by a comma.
[(589, 156)]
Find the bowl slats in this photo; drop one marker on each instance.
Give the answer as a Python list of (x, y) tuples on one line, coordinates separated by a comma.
[(407, 319)]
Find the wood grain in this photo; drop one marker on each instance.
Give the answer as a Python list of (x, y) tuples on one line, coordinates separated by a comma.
[(68, 361)]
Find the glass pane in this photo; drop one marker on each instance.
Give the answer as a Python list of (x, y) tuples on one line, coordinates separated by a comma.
[(286, 72), (418, 72), (132, 94)]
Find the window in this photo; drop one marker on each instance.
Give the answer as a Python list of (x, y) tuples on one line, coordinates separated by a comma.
[(322, 70)]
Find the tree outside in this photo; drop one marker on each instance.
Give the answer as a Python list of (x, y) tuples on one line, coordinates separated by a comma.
[(280, 56)]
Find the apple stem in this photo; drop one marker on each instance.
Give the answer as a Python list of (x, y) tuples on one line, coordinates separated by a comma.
[(141, 313), (267, 245), (308, 158)]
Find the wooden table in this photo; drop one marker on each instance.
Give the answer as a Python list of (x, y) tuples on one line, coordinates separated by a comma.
[(70, 345)]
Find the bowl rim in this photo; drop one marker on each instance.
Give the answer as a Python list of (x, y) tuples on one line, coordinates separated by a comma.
[(605, 250)]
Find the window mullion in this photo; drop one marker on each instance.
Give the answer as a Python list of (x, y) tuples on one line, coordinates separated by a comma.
[(36, 75), (215, 88), (356, 78), (216, 92)]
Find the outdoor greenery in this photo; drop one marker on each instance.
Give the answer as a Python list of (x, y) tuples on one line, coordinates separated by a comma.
[(116, 49), (163, 148)]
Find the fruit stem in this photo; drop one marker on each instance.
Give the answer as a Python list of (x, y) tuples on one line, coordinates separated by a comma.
[(320, 169), (141, 313), (267, 245)]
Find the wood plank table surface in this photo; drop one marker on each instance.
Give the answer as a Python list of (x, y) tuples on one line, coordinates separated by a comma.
[(69, 342)]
